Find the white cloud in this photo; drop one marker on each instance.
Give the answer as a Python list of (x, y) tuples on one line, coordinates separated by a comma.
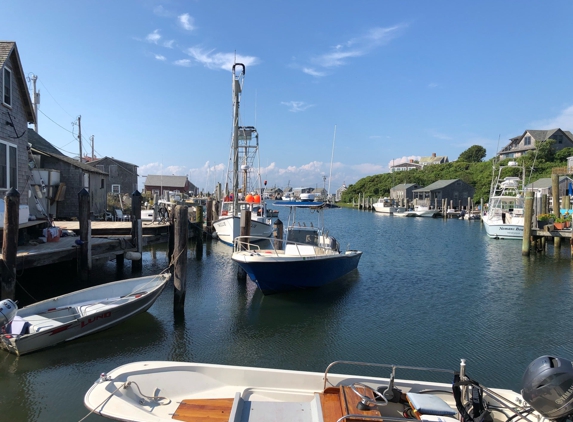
[(186, 21), (183, 62), (160, 57), (564, 120), (355, 47), (432, 85), (296, 106), (225, 61), (169, 44), (154, 37), (402, 160), (161, 11), (438, 135)]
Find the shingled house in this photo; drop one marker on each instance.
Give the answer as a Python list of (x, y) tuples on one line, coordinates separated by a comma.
[(160, 185), (122, 175), (455, 190), (529, 140)]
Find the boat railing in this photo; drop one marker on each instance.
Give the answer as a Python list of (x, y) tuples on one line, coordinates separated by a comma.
[(264, 245)]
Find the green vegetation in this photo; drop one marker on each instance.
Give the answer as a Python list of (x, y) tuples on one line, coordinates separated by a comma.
[(476, 173)]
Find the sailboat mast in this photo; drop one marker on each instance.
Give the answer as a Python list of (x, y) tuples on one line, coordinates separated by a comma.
[(331, 159), (237, 77)]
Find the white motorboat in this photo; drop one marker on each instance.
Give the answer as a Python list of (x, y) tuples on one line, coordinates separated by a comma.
[(307, 256), (504, 217), (424, 211), (386, 206), (244, 150), (76, 314), (156, 391)]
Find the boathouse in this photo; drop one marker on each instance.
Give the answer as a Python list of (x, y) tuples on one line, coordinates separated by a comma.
[(403, 191), (162, 185), (122, 175), (455, 190)]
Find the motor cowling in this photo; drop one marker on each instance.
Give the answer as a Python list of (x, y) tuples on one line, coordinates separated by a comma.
[(547, 385), (8, 310)]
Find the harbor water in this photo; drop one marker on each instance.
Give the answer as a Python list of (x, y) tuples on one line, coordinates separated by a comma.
[(427, 292)]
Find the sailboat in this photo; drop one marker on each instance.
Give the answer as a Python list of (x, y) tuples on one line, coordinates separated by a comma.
[(244, 149)]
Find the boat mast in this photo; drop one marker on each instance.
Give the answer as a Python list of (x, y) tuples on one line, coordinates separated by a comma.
[(237, 79), (331, 159)]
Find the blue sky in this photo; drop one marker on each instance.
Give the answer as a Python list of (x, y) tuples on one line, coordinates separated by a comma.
[(398, 79)]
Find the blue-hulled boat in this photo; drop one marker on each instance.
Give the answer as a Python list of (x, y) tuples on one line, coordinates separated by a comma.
[(306, 256)]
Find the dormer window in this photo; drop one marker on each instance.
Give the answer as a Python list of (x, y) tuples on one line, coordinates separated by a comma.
[(7, 87), (527, 140)]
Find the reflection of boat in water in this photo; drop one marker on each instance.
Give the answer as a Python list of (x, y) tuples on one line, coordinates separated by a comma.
[(163, 390), (505, 213), (386, 206), (307, 256), (244, 149)]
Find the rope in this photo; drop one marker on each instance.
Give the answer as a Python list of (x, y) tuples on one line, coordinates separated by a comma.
[(125, 385)]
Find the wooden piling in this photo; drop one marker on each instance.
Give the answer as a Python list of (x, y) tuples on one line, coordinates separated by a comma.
[(171, 237), (278, 233), (136, 230), (209, 225), (527, 218), (199, 231), (181, 234), (84, 219), (555, 195), (245, 231), (10, 244)]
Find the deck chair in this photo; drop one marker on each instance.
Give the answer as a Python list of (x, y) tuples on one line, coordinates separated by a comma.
[(119, 216), (427, 407)]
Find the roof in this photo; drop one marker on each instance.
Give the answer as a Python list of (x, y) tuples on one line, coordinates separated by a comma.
[(161, 180), (546, 182), (407, 165), (7, 49), (40, 144), (440, 184), (404, 186), (96, 162), (72, 161), (432, 159)]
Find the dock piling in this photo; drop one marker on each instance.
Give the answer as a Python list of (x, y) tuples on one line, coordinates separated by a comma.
[(136, 230), (181, 220), (84, 219), (527, 221), (10, 244)]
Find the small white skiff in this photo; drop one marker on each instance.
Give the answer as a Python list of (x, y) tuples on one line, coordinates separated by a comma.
[(76, 314), (166, 391)]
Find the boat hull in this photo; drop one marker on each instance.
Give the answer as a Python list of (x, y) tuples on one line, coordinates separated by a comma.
[(145, 290), (276, 273), (503, 231), (228, 228)]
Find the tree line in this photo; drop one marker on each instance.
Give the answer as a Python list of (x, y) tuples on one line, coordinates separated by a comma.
[(469, 167)]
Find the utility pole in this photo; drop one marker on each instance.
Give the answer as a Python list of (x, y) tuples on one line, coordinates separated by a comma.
[(80, 139), (92, 139), (36, 102)]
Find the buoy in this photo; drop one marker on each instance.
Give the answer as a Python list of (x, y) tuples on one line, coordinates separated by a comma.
[(249, 198), (133, 256), (257, 199)]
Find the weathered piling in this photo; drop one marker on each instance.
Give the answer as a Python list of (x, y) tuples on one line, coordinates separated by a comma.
[(209, 222), (278, 233), (84, 219), (555, 194), (199, 231), (181, 235), (171, 236), (527, 218), (136, 231), (10, 244), (245, 231)]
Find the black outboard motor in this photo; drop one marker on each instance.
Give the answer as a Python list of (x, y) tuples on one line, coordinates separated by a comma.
[(547, 385)]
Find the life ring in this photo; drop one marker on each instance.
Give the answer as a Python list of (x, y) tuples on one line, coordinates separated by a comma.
[(224, 212)]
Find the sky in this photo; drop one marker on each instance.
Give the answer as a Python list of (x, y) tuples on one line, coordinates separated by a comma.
[(338, 90)]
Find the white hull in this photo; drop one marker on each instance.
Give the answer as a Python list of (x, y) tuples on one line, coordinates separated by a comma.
[(80, 313), (378, 207), (228, 228), (163, 391), (496, 228)]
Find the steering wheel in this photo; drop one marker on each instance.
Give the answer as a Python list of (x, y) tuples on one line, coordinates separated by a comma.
[(365, 401)]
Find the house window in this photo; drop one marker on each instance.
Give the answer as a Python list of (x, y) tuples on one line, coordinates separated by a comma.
[(102, 183), (7, 84), (115, 189), (113, 170), (527, 140), (8, 166), (559, 139)]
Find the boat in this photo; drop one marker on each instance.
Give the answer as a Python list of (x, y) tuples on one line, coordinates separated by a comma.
[(425, 211), (157, 391), (67, 317), (306, 256), (244, 149), (387, 206), (307, 197), (504, 216)]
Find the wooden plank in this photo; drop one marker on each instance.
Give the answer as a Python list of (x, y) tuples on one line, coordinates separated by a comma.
[(204, 410), (350, 400), (330, 404)]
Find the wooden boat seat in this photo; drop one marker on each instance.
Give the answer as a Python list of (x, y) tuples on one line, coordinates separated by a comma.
[(424, 405), (198, 410)]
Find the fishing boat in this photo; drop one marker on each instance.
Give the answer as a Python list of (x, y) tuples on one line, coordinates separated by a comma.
[(156, 391), (306, 256), (425, 211), (244, 150), (386, 206), (504, 217), (67, 317)]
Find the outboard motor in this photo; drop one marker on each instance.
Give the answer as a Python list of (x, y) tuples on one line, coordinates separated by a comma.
[(8, 311), (547, 385)]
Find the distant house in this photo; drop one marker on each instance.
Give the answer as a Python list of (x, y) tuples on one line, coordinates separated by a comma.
[(73, 176), (162, 185), (455, 190), (529, 140), (122, 175), (405, 166), (339, 192), (16, 112), (403, 191), (433, 159), (544, 186)]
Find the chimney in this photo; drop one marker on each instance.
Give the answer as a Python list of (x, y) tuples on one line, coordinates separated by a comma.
[(411, 160), (433, 155)]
